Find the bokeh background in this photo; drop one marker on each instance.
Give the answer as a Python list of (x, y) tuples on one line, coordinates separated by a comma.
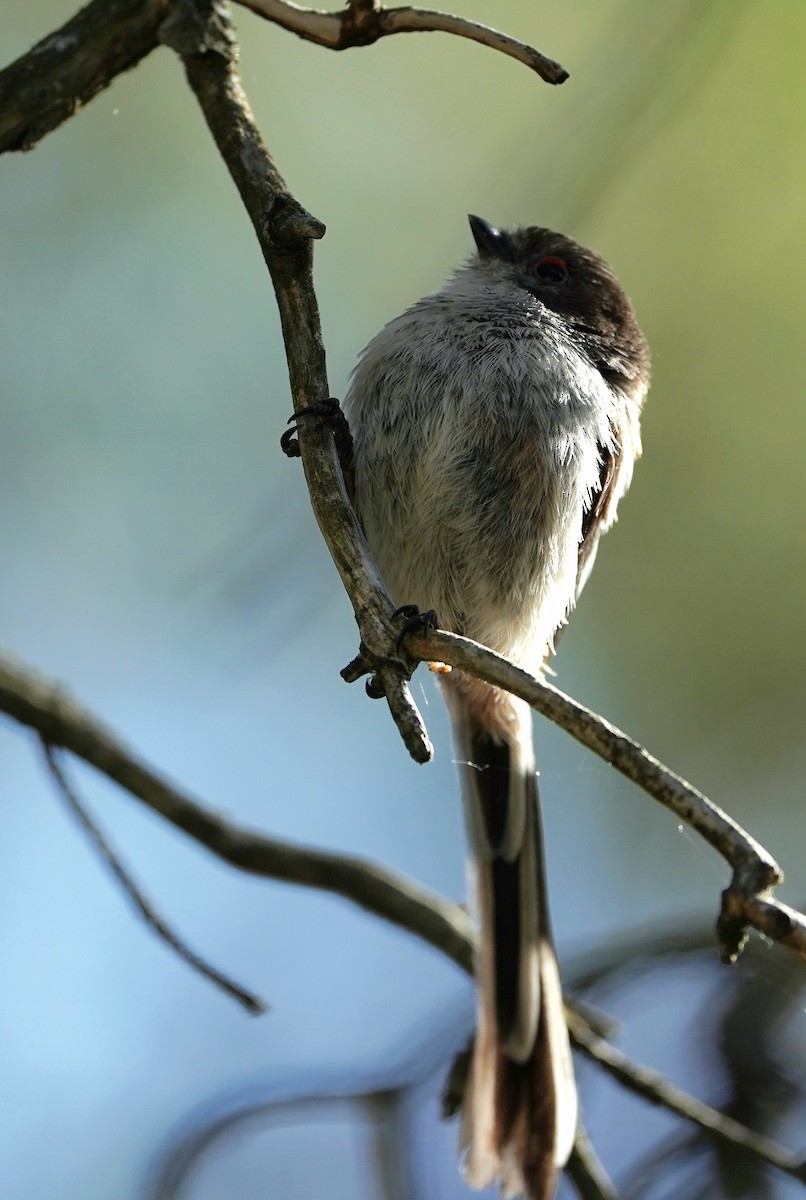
[(161, 559)]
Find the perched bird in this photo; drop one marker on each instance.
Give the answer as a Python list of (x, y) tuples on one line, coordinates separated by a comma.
[(495, 426)]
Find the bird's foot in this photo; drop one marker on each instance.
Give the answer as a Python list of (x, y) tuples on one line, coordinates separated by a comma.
[(414, 620), (330, 412)]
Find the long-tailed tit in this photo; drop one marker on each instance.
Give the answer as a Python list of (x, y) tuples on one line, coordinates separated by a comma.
[(495, 428)]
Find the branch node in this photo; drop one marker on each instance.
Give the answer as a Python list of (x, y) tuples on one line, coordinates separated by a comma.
[(357, 668), (288, 222), (199, 27), (748, 898), (360, 24)]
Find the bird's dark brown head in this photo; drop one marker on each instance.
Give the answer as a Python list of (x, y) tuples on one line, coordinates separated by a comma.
[(579, 286)]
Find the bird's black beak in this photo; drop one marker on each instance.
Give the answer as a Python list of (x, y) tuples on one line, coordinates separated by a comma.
[(491, 242)]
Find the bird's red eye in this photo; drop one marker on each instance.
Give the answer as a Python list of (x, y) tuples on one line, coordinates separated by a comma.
[(551, 269)]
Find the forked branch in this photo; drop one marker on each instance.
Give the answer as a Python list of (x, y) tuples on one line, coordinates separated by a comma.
[(39, 92), (66, 69), (361, 24), (45, 707)]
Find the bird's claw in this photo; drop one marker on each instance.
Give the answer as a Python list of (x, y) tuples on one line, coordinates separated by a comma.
[(414, 620), (328, 410)]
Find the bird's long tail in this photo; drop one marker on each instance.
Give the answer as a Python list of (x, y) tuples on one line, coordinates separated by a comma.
[(520, 1106)]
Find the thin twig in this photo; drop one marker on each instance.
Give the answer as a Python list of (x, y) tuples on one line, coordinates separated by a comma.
[(657, 1090), (597, 734), (155, 922), (748, 900), (586, 1172), (45, 707), (363, 23)]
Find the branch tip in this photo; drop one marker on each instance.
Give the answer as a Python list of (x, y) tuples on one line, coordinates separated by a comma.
[(406, 715), (358, 667), (364, 22), (287, 222)]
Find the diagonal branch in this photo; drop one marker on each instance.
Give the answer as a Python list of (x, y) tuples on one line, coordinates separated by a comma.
[(44, 706), (748, 900), (73, 64), (657, 1090), (202, 34), (361, 24), (252, 1003), (586, 1172)]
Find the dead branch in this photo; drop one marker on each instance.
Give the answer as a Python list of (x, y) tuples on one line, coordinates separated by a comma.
[(44, 88), (203, 36), (158, 925), (66, 69), (748, 900), (41, 705), (46, 707), (70, 66), (365, 22), (657, 1090)]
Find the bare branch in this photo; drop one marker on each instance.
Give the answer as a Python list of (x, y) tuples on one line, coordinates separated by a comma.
[(203, 36), (67, 68), (46, 708), (748, 900), (284, 231), (586, 1172), (364, 22), (657, 1090), (39, 92), (41, 705), (252, 1003), (607, 741)]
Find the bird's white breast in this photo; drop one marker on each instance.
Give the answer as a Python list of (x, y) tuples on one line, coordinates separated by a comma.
[(478, 431)]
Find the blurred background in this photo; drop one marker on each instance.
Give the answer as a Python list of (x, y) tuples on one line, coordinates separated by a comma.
[(162, 560)]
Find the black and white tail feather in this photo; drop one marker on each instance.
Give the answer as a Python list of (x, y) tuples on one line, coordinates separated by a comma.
[(520, 1110)]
